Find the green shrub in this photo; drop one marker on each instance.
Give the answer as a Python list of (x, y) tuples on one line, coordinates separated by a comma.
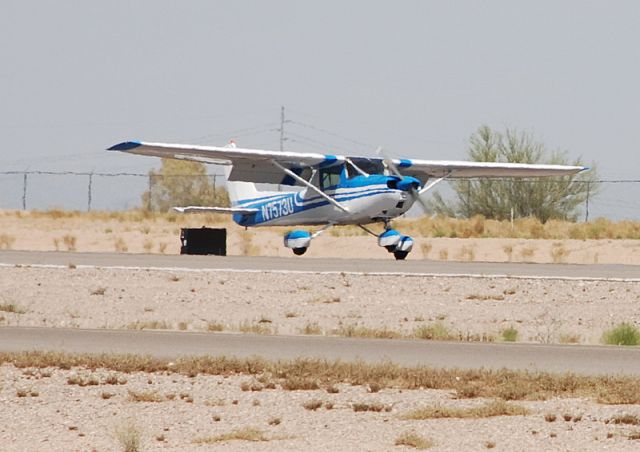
[(510, 334), (623, 334)]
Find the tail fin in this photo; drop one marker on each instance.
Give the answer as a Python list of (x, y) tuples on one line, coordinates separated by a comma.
[(239, 191)]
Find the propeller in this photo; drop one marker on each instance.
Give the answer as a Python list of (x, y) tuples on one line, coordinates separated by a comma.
[(387, 162)]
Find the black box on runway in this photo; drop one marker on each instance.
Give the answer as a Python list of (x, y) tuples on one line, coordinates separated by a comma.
[(203, 241)]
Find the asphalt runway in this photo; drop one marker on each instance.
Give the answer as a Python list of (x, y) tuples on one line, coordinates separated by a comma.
[(171, 344), (591, 360), (303, 264)]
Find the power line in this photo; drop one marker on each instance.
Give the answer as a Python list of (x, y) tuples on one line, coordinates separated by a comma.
[(333, 134)]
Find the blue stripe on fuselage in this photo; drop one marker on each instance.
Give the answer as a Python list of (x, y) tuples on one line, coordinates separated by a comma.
[(286, 206)]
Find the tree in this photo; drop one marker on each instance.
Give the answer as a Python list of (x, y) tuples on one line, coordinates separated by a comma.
[(544, 198), (182, 183)]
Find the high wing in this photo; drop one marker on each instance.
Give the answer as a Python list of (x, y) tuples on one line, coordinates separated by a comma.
[(249, 165), (426, 169), (229, 210), (430, 168), (255, 165)]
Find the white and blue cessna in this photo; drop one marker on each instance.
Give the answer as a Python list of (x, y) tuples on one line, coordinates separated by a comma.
[(337, 189)]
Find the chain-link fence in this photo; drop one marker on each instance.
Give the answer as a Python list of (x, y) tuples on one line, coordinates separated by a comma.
[(615, 199), (84, 191)]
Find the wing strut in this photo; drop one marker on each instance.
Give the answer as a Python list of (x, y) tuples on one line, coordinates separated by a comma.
[(430, 185), (311, 186)]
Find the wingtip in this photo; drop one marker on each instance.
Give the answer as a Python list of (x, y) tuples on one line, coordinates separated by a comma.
[(125, 146)]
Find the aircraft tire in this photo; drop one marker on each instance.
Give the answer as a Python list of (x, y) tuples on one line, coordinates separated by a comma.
[(390, 248), (400, 255), (299, 251)]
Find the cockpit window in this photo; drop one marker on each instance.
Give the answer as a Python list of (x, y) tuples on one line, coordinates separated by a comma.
[(330, 177)]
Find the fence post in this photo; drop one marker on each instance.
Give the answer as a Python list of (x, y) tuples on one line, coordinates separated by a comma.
[(150, 186), (89, 192), (468, 198), (586, 210), (24, 192)]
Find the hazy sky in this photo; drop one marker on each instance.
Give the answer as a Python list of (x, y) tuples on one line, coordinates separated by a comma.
[(417, 77)]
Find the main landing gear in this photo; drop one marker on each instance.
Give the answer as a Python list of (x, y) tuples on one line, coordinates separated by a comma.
[(394, 242), (299, 240)]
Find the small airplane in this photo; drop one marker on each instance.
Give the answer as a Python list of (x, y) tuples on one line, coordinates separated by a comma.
[(337, 189)]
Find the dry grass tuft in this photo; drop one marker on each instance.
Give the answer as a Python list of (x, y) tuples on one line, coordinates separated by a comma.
[(312, 405), (240, 434), (82, 381), (633, 435), (426, 249), (120, 245), (247, 247), (490, 409), (524, 228), (474, 296), (300, 383), (558, 253), (215, 326), (311, 328), (146, 396), (12, 308), (149, 325), (6, 241), (69, 241), (311, 374), (627, 419), (255, 328), (569, 338), (437, 331), (375, 407), (129, 436), (467, 253), (363, 331), (412, 439), (99, 291)]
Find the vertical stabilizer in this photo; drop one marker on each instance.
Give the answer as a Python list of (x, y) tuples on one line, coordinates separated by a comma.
[(239, 191)]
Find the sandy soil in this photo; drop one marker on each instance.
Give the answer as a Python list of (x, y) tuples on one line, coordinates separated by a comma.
[(41, 412), (82, 233), (47, 413), (541, 311)]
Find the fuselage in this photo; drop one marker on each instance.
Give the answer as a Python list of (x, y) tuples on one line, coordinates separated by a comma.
[(367, 198)]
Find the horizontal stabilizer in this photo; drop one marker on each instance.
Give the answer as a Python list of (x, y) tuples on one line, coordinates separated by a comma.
[(230, 210)]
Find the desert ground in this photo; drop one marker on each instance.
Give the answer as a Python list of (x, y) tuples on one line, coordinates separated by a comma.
[(349, 305), (140, 232), (80, 409), (83, 407)]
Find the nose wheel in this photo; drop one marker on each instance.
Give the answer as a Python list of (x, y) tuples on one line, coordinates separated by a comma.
[(396, 243), (400, 255)]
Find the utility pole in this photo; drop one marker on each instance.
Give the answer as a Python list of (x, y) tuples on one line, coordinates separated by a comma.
[(282, 121)]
